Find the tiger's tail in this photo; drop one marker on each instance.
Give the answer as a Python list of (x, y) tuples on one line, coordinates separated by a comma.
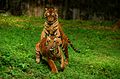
[(76, 50)]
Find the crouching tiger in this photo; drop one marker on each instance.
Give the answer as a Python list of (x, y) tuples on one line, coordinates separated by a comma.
[(49, 50), (52, 27)]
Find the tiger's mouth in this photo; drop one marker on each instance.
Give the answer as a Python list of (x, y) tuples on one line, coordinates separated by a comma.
[(51, 49), (50, 22)]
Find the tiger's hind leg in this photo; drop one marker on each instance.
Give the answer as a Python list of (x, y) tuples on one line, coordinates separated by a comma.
[(37, 53), (65, 50), (66, 55)]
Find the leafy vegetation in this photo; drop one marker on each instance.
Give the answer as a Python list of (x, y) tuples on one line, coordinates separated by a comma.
[(99, 57)]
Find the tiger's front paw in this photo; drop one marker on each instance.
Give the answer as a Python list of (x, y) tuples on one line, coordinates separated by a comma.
[(66, 62), (54, 71), (37, 60)]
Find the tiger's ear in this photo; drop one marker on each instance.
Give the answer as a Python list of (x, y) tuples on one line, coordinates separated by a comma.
[(56, 9), (46, 9)]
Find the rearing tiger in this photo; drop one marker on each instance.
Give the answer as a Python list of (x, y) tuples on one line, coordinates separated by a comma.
[(52, 27)]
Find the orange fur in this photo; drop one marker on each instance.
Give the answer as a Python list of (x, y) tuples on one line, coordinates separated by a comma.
[(52, 30), (52, 27), (43, 49)]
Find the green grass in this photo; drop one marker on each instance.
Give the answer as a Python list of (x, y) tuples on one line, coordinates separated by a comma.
[(99, 57)]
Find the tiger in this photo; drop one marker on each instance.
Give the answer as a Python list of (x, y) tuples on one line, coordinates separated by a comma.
[(51, 24), (49, 50), (52, 27)]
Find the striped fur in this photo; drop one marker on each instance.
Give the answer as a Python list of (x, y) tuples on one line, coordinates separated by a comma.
[(48, 49), (52, 27)]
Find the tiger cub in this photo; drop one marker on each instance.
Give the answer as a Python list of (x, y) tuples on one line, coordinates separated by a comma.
[(48, 49)]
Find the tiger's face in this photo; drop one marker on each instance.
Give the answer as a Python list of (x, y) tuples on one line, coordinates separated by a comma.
[(51, 15), (51, 41), (54, 41)]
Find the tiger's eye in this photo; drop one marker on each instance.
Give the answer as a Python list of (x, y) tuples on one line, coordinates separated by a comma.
[(55, 39), (48, 40)]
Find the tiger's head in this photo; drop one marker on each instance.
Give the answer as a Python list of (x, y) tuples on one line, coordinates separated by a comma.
[(51, 42), (51, 15)]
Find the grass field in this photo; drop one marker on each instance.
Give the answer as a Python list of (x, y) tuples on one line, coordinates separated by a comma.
[(99, 57)]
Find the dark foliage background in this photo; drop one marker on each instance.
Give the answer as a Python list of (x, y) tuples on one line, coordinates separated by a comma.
[(68, 9)]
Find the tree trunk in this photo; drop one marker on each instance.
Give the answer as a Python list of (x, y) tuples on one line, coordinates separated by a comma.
[(28, 9), (65, 9), (76, 13)]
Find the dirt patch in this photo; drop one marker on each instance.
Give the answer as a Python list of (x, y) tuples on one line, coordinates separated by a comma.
[(97, 27), (116, 38), (116, 26)]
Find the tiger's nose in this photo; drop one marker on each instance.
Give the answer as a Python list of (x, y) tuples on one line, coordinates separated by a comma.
[(50, 19)]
